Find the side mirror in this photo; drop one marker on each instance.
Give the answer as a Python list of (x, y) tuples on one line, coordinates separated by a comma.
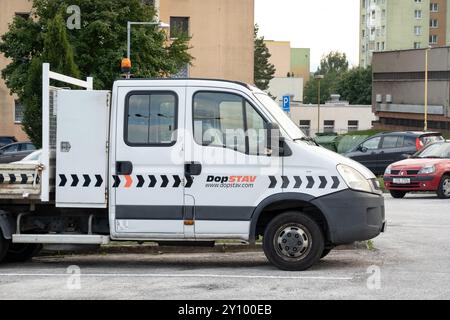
[(362, 149)]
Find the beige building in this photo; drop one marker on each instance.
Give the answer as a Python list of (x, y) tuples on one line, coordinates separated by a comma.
[(222, 43), (10, 108)]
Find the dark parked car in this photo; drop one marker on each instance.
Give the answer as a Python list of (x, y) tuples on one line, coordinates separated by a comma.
[(16, 151), (5, 140), (381, 150)]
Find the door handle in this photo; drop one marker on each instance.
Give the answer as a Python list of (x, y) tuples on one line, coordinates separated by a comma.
[(124, 168), (193, 168)]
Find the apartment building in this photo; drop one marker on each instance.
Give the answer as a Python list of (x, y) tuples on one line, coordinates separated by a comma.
[(387, 25), (222, 44)]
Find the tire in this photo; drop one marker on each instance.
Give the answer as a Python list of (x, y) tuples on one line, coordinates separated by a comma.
[(4, 246), (286, 229), (397, 194), (19, 252), (443, 191), (325, 253)]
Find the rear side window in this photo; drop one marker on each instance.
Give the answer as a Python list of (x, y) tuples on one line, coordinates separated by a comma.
[(27, 147), (426, 140), (151, 119), (390, 142)]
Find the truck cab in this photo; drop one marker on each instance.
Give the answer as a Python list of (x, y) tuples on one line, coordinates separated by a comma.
[(190, 160)]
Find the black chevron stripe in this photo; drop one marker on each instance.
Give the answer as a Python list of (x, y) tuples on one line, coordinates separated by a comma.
[(2, 178), (87, 180), (99, 181), (63, 181), (323, 182), (24, 178), (165, 182), (273, 182), (336, 182), (298, 182), (141, 181), (116, 181), (285, 182), (152, 181), (311, 182), (75, 180), (177, 181), (189, 181), (12, 178)]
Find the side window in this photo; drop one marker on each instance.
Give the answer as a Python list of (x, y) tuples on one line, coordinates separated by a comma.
[(27, 147), (151, 119), (11, 149), (229, 121), (372, 144), (390, 142)]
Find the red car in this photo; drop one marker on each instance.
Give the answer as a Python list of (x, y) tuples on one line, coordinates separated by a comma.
[(427, 170)]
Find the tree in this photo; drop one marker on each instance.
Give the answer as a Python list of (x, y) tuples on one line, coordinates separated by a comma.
[(355, 86), (332, 66), (97, 48), (264, 70)]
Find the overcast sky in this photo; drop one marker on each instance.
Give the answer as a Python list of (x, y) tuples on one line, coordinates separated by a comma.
[(322, 25)]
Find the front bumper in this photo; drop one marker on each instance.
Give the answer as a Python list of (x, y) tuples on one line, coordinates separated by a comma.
[(352, 216), (417, 183)]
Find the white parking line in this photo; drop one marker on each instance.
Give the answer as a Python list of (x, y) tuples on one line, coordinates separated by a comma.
[(157, 275)]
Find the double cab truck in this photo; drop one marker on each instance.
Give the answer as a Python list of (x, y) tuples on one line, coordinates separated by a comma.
[(178, 161)]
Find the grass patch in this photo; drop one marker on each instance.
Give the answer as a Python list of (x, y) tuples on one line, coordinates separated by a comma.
[(370, 245)]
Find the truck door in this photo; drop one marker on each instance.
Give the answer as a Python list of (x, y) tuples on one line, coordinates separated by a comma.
[(227, 161), (148, 167)]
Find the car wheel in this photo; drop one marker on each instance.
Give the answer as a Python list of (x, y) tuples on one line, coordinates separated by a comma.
[(19, 252), (4, 246), (397, 194), (443, 191), (293, 242), (325, 253)]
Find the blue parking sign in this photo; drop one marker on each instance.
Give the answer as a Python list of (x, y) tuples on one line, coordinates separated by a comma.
[(286, 103)]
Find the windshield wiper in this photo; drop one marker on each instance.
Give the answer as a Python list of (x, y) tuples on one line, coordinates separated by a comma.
[(307, 139)]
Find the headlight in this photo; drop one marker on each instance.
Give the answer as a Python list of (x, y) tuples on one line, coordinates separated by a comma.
[(355, 180), (427, 170), (388, 170)]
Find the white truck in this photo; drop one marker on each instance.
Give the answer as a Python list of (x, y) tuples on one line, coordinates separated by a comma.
[(180, 161)]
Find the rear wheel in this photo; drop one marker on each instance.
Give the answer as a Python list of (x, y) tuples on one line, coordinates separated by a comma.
[(293, 242), (19, 252), (325, 253), (443, 191), (4, 246), (397, 194)]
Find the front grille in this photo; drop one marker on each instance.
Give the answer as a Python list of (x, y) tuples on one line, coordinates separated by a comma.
[(395, 172), (412, 172), (412, 185)]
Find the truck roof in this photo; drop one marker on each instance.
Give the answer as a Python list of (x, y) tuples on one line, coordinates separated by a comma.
[(184, 82)]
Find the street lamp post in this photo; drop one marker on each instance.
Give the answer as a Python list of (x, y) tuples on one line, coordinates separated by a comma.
[(318, 77), (160, 24), (425, 128)]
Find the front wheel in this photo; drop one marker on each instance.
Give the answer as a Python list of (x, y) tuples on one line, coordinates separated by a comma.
[(443, 191), (4, 246), (397, 194), (293, 242)]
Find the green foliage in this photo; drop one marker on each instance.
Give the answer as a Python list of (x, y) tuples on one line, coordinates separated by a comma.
[(97, 48), (332, 66), (264, 70), (355, 86)]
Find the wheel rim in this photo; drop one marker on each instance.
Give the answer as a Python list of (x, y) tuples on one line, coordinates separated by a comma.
[(446, 187), (292, 242)]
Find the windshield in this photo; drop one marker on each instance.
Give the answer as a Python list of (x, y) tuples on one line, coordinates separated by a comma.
[(278, 114), (437, 150)]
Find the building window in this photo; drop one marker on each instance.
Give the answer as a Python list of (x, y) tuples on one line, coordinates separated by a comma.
[(433, 39), (151, 119), (434, 23), (179, 26), (418, 1), (353, 125), (382, 46), (328, 126), (373, 14), (417, 45), (305, 126), (434, 7), (417, 30), (18, 111), (418, 14)]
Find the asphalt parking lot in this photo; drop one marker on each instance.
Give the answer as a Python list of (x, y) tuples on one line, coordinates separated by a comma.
[(410, 261)]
